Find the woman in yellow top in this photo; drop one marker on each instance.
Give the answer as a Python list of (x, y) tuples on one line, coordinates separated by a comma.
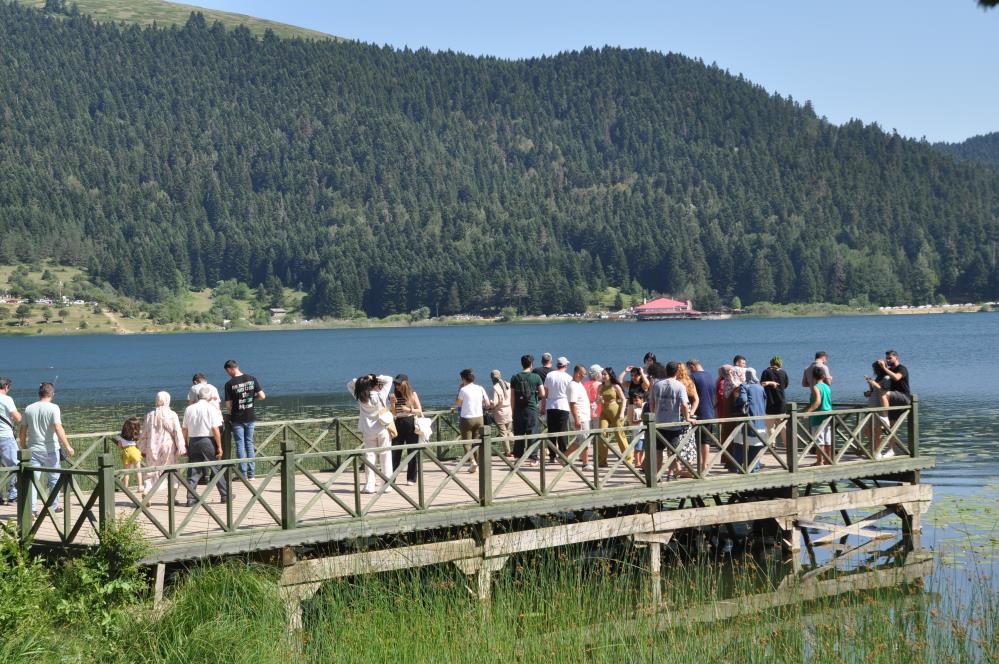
[(612, 415)]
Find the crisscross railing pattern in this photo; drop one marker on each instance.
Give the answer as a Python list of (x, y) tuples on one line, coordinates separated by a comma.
[(317, 471)]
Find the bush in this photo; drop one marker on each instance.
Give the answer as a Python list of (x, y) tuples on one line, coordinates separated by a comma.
[(96, 586)]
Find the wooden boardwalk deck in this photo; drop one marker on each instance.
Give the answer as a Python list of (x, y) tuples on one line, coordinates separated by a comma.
[(313, 496)]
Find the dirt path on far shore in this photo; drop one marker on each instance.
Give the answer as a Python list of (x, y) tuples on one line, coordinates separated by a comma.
[(118, 327)]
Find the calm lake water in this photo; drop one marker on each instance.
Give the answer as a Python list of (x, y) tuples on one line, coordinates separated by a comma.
[(305, 373)]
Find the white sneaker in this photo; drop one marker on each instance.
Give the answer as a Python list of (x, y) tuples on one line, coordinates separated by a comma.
[(889, 454), (588, 466), (368, 489)]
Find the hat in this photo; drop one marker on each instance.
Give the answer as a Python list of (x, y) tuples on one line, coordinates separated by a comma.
[(401, 377), (546, 357), (562, 362), (596, 370), (496, 373)]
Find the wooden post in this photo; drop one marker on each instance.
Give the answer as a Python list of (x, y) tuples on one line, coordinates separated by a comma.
[(651, 452), (914, 426), (105, 490), (226, 437), (289, 510), (792, 446), (158, 587), (485, 467), (24, 515)]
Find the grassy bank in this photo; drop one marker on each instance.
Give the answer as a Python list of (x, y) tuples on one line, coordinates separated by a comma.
[(566, 605)]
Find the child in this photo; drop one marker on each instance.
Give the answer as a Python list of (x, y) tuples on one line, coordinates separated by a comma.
[(131, 457), (635, 417)]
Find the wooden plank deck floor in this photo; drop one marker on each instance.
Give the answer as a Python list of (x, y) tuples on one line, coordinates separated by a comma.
[(314, 508)]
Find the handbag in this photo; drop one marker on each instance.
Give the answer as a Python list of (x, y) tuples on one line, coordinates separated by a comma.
[(387, 419)]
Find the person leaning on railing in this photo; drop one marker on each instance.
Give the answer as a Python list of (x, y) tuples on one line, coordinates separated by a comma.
[(821, 401), (201, 428)]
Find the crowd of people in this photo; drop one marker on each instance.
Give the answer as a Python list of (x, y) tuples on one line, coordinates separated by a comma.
[(574, 400), (160, 440)]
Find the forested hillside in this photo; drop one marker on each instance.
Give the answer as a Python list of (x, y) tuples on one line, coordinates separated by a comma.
[(163, 159), (982, 149)]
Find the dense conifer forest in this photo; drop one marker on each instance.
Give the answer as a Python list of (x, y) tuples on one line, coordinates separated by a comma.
[(387, 180), (983, 149)]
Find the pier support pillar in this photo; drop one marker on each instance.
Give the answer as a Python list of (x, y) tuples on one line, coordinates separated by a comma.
[(293, 597), (790, 541), (158, 586), (482, 569), (655, 543), (912, 523)]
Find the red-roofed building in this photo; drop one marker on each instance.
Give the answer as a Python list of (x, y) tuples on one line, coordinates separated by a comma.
[(665, 308)]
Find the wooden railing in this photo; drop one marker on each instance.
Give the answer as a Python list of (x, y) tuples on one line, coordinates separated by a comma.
[(310, 472)]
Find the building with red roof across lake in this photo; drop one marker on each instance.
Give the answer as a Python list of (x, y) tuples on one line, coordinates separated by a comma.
[(665, 308)]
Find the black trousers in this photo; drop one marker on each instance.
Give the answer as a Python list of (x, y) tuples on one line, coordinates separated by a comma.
[(525, 423), (406, 428), (200, 450), (558, 421)]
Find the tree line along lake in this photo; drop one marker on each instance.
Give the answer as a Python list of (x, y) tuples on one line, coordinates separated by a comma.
[(102, 379)]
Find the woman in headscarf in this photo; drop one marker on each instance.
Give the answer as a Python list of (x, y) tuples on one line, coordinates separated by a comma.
[(161, 441)]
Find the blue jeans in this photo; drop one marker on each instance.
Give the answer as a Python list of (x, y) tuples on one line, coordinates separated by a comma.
[(8, 459), (242, 433), (46, 460)]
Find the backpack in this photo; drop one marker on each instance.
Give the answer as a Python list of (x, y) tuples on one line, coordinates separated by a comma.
[(522, 391)]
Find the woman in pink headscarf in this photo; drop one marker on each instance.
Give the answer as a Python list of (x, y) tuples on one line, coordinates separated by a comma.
[(162, 440)]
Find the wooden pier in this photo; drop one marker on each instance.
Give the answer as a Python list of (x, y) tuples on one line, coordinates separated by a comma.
[(305, 506)]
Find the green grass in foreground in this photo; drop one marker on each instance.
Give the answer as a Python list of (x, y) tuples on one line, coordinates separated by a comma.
[(145, 12), (566, 605)]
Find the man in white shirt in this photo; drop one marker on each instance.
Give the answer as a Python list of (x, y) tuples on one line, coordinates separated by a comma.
[(471, 402), (201, 425), (557, 402), (9, 416), (579, 405)]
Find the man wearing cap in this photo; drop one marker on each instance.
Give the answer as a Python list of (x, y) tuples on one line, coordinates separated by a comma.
[(593, 385), (557, 404), (502, 410), (546, 366)]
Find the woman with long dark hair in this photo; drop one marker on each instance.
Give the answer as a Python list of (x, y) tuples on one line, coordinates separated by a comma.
[(612, 413), (406, 407), (372, 395)]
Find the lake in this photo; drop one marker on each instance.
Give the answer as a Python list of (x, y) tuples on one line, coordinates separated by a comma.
[(304, 372)]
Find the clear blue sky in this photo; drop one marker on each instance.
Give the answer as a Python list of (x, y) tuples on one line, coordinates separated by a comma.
[(926, 68)]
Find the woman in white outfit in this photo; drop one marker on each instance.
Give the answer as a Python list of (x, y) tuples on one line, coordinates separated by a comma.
[(372, 395)]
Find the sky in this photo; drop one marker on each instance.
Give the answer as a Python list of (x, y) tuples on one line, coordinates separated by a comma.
[(926, 68)]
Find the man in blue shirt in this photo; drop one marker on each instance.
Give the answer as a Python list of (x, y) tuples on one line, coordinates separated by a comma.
[(705, 385)]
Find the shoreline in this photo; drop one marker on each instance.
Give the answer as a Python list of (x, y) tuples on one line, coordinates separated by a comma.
[(56, 330)]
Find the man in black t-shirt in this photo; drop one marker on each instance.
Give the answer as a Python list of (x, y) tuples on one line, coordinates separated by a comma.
[(526, 389), (898, 393), (240, 392)]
